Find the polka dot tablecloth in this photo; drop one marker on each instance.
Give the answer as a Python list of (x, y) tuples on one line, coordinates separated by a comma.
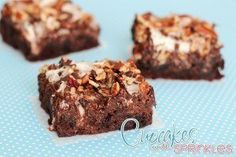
[(210, 107)]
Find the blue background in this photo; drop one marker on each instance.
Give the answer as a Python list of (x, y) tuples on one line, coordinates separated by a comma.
[(208, 106)]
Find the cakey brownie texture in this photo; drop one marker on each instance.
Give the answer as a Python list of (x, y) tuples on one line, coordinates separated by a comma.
[(45, 29), (178, 47), (90, 98)]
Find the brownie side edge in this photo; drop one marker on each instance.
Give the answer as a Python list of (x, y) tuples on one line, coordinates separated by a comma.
[(196, 72), (12, 36), (45, 94)]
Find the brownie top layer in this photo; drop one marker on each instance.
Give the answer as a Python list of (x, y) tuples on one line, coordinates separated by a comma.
[(40, 19), (105, 78), (177, 33)]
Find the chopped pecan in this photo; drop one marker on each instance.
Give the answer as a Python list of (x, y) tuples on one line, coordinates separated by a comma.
[(94, 84), (52, 23), (206, 30), (101, 75), (43, 69), (80, 88), (85, 79), (63, 16), (115, 89), (124, 68), (109, 79), (129, 80), (33, 9), (139, 78), (104, 92), (144, 87), (19, 16), (73, 90), (59, 4)]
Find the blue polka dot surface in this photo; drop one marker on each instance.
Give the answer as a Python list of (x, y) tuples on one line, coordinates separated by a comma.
[(205, 111)]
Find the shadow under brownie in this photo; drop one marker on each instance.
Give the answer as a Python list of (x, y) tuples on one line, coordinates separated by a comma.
[(47, 29), (90, 98), (176, 47)]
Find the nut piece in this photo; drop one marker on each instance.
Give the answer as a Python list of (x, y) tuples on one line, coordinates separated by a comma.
[(93, 83), (85, 79), (105, 92), (144, 87), (73, 90), (52, 23), (101, 75), (43, 69), (80, 89), (139, 79), (19, 16), (207, 30), (129, 80), (115, 89), (124, 68)]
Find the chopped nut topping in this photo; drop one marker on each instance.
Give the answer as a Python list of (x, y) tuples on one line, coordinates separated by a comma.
[(132, 88), (104, 92), (107, 80), (101, 75), (80, 88), (93, 83), (144, 87), (52, 23), (176, 33), (73, 90), (20, 16), (139, 79), (43, 69), (115, 89), (85, 79), (124, 69), (129, 80)]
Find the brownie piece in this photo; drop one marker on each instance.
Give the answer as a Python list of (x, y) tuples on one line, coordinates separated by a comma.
[(176, 47), (91, 98), (45, 29)]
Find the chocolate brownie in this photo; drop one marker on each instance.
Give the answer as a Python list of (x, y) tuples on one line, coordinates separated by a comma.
[(177, 47), (45, 29), (91, 98)]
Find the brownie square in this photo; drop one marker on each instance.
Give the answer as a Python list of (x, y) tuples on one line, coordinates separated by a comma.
[(45, 29), (176, 47), (91, 98)]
